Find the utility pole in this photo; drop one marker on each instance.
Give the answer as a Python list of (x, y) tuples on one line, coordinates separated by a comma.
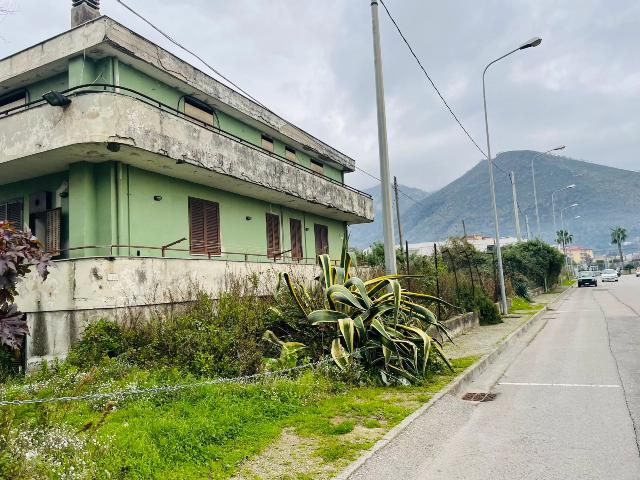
[(385, 180), (464, 229), (526, 221), (395, 188), (516, 216)]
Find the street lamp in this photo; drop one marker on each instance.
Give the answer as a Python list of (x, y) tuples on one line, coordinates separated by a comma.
[(564, 249), (534, 42), (553, 204), (562, 211), (533, 176)]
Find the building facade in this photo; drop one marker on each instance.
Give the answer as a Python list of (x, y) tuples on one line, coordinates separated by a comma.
[(113, 148)]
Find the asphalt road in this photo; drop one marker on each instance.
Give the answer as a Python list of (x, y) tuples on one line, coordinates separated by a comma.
[(568, 406)]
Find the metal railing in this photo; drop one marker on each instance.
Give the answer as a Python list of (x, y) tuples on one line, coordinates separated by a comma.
[(113, 251), (118, 90)]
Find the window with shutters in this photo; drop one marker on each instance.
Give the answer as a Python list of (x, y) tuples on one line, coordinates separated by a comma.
[(317, 167), (295, 227), (273, 236), (204, 227), (322, 239), (11, 211), (198, 110), (290, 154), (53, 231), (13, 100), (267, 143)]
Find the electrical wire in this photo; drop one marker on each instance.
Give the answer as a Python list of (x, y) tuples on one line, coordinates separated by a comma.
[(244, 92), (179, 45), (430, 79)]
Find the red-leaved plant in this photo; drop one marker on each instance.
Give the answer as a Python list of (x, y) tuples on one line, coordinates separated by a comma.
[(19, 252)]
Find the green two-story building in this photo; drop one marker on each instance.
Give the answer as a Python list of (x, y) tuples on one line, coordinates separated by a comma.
[(113, 148)]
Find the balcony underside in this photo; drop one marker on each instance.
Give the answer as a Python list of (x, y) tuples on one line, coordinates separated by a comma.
[(107, 126)]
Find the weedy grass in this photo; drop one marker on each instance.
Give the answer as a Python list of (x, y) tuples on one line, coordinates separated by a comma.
[(204, 432), (519, 304)]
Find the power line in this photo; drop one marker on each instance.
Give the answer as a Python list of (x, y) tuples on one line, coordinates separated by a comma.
[(179, 45), (430, 80), (228, 80)]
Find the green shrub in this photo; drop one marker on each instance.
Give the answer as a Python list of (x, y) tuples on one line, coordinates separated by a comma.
[(522, 290), (210, 338), (487, 310), (100, 339), (477, 301), (534, 260)]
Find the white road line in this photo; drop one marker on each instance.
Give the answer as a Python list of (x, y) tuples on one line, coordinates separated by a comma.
[(558, 385), (571, 311)]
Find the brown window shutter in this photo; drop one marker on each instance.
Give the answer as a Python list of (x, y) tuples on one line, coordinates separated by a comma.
[(322, 239), (53, 230), (212, 228), (196, 226), (273, 236), (296, 238), (204, 227)]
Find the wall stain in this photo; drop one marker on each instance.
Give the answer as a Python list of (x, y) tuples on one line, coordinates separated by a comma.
[(40, 344)]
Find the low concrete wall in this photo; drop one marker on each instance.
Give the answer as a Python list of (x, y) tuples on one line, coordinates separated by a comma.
[(457, 326), (78, 292)]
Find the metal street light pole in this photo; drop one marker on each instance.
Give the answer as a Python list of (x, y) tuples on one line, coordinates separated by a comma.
[(383, 149), (553, 204), (535, 192), (514, 195), (564, 232), (534, 42)]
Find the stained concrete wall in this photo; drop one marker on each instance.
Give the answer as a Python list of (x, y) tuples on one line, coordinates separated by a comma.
[(78, 292), (143, 135)]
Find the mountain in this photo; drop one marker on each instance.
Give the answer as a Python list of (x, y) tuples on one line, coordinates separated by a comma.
[(606, 196), (363, 235)]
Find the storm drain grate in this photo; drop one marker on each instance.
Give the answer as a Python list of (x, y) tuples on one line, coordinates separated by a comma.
[(479, 397)]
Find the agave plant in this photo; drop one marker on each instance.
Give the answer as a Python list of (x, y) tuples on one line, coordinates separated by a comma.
[(378, 323)]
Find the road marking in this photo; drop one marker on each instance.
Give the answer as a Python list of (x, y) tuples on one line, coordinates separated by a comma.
[(526, 384), (572, 311)]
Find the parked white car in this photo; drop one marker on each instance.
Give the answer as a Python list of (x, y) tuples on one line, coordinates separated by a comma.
[(609, 275)]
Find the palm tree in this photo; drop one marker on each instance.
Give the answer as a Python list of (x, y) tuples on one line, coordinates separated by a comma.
[(564, 238), (618, 236)]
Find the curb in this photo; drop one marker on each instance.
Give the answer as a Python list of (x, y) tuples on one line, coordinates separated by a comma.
[(469, 375)]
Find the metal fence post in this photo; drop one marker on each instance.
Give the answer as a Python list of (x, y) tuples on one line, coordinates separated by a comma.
[(435, 259)]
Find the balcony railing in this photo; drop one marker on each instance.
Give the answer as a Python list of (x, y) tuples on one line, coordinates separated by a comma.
[(97, 88), (113, 251)]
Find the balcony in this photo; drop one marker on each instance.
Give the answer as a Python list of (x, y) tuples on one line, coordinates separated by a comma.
[(106, 125)]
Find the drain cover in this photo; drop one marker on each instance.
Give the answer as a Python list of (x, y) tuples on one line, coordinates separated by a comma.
[(479, 397)]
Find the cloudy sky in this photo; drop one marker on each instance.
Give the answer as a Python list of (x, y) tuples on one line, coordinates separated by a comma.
[(312, 63)]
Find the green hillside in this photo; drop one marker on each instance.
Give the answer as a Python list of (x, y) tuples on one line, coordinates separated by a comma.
[(607, 197)]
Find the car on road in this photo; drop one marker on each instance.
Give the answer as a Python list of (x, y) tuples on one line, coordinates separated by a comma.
[(587, 277), (609, 275)]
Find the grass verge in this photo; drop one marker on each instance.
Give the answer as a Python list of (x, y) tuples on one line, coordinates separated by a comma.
[(215, 431), (519, 304)]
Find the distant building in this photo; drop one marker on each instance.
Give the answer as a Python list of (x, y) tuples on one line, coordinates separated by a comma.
[(580, 255), (479, 242)]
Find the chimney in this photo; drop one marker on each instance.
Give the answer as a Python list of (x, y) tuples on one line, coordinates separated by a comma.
[(83, 11)]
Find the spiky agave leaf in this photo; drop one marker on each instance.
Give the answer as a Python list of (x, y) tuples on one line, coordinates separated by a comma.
[(347, 328), (339, 354)]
